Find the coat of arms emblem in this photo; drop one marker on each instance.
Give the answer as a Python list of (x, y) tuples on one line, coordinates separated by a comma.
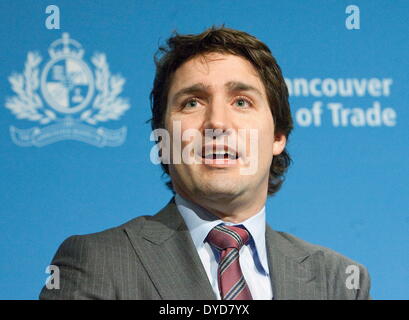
[(67, 98)]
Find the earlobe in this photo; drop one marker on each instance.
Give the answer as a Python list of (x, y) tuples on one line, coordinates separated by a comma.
[(279, 144)]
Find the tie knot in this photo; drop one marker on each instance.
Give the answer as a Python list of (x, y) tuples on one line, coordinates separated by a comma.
[(223, 237)]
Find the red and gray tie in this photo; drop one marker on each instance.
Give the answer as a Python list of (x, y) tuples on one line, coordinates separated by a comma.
[(228, 240)]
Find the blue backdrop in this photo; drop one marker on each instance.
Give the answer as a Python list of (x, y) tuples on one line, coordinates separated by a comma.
[(347, 188)]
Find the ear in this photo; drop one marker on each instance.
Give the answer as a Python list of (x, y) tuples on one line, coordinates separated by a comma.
[(279, 143)]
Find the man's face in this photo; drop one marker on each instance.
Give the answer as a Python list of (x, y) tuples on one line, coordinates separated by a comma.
[(222, 92)]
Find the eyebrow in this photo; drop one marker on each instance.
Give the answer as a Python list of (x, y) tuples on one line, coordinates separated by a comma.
[(231, 86), (235, 86)]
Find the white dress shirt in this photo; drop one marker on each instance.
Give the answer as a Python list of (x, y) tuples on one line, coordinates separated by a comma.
[(253, 256)]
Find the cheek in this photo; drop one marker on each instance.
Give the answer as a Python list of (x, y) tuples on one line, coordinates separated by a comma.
[(184, 136), (266, 136)]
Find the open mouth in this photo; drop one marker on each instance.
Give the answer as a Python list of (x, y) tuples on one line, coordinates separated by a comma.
[(224, 154)]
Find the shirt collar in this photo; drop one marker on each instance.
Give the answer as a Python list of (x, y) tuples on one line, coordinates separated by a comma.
[(199, 221)]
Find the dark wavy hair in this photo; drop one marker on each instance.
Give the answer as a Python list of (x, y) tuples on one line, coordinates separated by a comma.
[(180, 48)]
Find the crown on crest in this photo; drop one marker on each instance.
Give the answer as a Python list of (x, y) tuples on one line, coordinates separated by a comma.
[(66, 47)]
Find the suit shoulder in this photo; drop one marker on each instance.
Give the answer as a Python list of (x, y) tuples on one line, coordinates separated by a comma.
[(112, 236), (88, 264), (310, 248), (337, 268)]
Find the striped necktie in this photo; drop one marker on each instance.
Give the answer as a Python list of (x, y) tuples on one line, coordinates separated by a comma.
[(228, 240)]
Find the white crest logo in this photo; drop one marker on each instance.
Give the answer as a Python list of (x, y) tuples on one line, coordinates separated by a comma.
[(76, 98)]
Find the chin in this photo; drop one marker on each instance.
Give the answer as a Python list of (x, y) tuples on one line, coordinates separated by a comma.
[(219, 189)]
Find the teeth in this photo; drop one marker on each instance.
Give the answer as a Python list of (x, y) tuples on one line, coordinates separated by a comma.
[(220, 155)]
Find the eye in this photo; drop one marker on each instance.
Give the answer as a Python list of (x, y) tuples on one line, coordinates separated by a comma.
[(242, 102), (190, 104)]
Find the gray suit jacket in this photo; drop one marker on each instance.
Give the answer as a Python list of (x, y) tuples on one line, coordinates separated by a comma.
[(153, 257)]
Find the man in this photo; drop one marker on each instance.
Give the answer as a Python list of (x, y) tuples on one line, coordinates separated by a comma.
[(211, 240)]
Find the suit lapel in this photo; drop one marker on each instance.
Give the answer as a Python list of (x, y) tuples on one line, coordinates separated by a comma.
[(167, 252), (295, 273)]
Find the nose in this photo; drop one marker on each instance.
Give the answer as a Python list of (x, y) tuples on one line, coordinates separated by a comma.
[(217, 117)]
